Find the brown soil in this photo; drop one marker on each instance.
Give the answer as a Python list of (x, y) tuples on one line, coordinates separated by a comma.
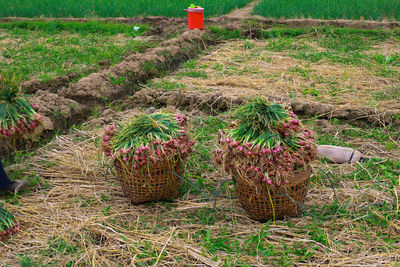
[(159, 22), (52, 86), (266, 23), (63, 112), (55, 84)]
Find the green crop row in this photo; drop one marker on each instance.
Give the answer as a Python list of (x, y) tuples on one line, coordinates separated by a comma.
[(45, 50), (112, 8), (330, 9), (93, 26)]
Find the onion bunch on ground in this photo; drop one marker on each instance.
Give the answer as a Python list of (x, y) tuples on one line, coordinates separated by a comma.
[(265, 143), (147, 140), (8, 224), (17, 116)]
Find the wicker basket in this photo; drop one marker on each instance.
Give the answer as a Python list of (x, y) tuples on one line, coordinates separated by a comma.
[(153, 185), (255, 200)]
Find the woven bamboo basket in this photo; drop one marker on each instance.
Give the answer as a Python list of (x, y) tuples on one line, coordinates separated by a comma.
[(152, 184), (256, 200)]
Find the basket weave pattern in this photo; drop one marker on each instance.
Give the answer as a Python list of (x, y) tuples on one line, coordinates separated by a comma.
[(150, 184), (255, 199)]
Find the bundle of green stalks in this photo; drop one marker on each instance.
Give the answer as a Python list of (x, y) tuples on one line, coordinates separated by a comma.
[(8, 223), (18, 117), (265, 143), (147, 139)]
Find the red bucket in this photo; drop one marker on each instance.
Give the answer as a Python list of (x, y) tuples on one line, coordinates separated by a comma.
[(195, 18)]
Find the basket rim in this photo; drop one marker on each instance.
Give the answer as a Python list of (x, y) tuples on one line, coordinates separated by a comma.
[(145, 173)]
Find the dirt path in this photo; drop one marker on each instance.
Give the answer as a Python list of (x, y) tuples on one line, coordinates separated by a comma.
[(243, 12)]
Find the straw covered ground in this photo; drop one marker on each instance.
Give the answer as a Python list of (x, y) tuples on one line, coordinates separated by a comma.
[(345, 67), (77, 215)]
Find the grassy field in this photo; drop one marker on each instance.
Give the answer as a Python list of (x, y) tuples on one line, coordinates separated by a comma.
[(330, 9), (113, 8), (44, 50)]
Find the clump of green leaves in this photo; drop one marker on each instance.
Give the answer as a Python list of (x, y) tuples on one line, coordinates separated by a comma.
[(257, 121), (146, 128), (8, 223), (148, 139), (265, 143), (17, 116)]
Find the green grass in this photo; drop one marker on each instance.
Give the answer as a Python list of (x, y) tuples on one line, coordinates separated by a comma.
[(330, 9), (54, 27), (112, 8), (392, 93), (166, 85), (387, 137), (336, 45), (204, 132), (46, 50)]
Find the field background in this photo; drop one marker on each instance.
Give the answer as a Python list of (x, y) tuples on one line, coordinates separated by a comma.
[(74, 212), (112, 8), (330, 9)]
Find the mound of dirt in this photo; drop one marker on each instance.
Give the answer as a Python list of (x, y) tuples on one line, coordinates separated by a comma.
[(63, 112), (32, 86), (214, 103), (352, 114), (265, 23)]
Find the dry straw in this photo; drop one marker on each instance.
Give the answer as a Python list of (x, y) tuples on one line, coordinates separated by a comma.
[(87, 209), (236, 71)]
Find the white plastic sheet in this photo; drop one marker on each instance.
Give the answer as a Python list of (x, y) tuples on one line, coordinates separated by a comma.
[(338, 154)]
